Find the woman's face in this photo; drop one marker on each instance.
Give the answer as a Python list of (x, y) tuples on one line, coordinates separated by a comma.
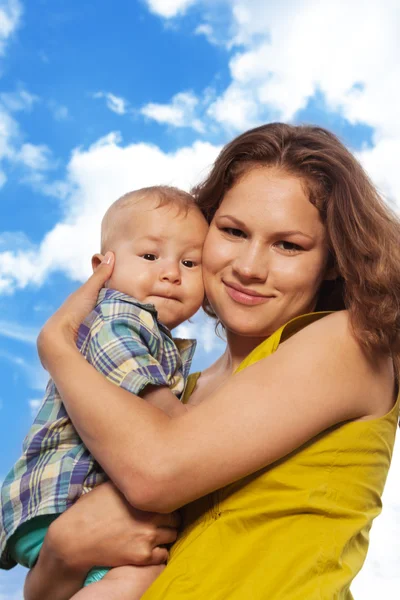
[(265, 255)]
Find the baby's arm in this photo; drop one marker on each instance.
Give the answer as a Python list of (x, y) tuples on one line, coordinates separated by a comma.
[(127, 349), (164, 399)]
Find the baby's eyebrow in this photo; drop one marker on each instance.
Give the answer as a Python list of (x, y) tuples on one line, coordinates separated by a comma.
[(152, 238), (197, 247)]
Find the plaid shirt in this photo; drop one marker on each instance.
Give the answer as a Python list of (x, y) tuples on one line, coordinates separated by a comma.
[(124, 341)]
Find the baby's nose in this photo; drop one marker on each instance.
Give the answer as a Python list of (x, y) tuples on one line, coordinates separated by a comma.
[(171, 272)]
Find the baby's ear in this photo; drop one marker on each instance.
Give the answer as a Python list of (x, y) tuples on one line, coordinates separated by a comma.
[(96, 260)]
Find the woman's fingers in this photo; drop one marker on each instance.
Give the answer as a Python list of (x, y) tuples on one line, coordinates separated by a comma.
[(166, 535), (99, 277), (158, 556), (64, 324)]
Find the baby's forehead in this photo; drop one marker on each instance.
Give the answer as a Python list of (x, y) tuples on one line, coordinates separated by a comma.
[(133, 213)]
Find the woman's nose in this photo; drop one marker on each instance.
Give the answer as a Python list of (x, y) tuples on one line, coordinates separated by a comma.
[(170, 272), (251, 264)]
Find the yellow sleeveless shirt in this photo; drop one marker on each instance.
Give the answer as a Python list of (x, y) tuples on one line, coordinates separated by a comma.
[(295, 530)]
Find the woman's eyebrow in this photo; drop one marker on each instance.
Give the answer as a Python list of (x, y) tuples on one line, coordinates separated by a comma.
[(286, 233), (237, 222), (291, 232)]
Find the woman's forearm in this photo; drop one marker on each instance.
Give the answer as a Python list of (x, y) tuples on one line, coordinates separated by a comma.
[(107, 419)]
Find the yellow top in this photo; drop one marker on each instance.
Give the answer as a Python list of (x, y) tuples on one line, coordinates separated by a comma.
[(295, 530)]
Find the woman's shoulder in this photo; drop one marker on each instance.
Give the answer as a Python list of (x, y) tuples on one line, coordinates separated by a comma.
[(333, 337), (331, 329)]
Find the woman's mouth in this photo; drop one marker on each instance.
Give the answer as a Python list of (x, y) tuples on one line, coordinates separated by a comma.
[(245, 295)]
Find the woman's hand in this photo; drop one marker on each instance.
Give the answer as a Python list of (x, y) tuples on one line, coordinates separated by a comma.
[(101, 528), (62, 327)]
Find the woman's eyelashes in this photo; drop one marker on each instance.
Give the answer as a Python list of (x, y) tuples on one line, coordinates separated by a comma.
[(289, 247), (233, 231)]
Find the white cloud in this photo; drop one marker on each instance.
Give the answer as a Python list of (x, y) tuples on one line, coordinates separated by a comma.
[(34, 373), (169, 8), (19, 100), (32, 157), (59, 111), (208, 31), (382, 163), (95, 178), (116, 104), (294, 49), (36, 157), (10, 16), (9, 131), (181, 112), (237, 109), (21, 333)]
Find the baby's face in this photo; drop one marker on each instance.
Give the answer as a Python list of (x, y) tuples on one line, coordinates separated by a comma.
[(158, 259)]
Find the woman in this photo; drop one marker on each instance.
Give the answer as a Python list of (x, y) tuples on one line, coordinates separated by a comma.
[(284, 462)]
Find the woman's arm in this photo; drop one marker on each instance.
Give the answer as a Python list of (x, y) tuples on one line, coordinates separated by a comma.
[(317, 378), (75, 542)]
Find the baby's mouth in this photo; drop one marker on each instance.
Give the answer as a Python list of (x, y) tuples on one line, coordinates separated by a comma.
[(166, 297)]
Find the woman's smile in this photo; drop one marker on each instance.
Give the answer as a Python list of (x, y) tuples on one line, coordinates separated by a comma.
[(244, 295)]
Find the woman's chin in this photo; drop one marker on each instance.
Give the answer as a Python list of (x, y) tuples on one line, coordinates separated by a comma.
[(247, 329)]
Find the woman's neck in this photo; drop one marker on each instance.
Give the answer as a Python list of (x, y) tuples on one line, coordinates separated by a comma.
[(237, 348)]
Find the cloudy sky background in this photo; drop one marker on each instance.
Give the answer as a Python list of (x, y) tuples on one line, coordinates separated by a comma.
[(98, 98)]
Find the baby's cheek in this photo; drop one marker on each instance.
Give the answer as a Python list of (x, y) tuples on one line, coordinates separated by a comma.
[(200, 285)]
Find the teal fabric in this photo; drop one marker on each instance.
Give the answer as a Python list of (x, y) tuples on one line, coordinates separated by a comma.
[(95, 574), (27, 541)]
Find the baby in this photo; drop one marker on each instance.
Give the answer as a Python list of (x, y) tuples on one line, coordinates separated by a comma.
[(157, 235)]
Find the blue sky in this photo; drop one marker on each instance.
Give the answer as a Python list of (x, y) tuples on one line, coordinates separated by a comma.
[(98, 98)]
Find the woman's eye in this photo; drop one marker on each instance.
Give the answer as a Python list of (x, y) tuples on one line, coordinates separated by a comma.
[(189, 263), (149, 256), (234, 232), (289, 246)]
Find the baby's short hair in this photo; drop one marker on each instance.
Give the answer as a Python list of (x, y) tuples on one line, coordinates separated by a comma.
[(165, 195)]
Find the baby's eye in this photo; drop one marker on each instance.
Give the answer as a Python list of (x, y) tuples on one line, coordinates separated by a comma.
[(189, 263), (234, 232), (288, 246), (149, 256)]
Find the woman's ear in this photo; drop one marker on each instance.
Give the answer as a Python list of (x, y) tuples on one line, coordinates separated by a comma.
[(96, 260)]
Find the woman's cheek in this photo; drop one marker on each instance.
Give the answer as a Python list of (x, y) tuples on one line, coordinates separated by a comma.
[(217, 254)]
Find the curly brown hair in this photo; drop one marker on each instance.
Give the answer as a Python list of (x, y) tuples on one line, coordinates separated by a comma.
[(363, 233)]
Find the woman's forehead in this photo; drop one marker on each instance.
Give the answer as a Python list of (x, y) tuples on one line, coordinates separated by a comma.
[(271, 197)]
